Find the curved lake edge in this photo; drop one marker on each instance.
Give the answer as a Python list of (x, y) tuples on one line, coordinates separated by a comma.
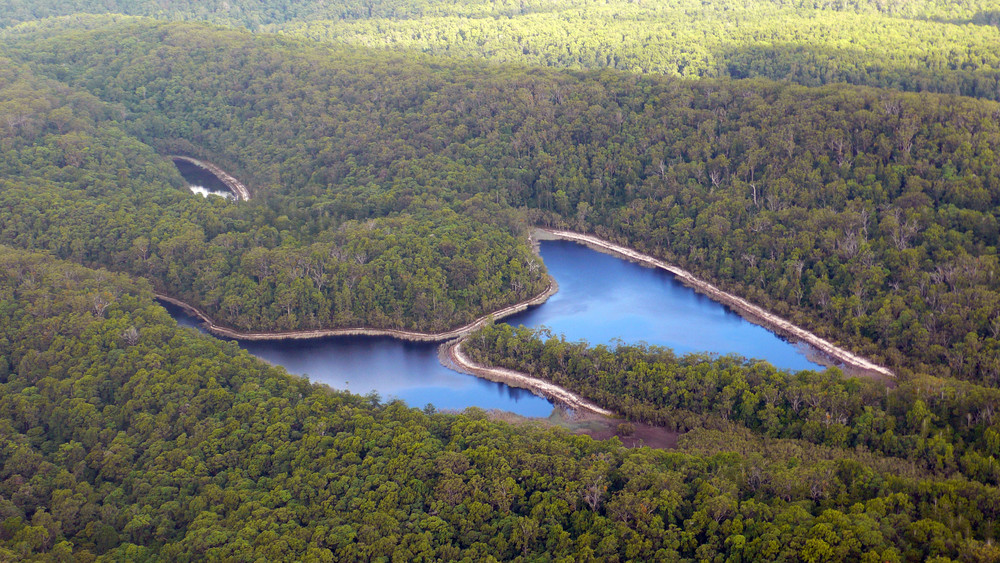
[(235, 186), (451, 354), (413, 336), (753, 313)]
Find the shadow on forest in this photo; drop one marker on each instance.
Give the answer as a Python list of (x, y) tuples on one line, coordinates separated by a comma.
[(598, 427), (990, 17), (983, 17), (812, 66)]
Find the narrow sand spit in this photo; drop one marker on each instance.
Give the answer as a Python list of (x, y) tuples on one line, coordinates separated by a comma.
[(518, 379), (451, 351)]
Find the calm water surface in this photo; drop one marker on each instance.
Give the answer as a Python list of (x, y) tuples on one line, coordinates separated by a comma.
[(201, 181), (394, 369), (600, 298)]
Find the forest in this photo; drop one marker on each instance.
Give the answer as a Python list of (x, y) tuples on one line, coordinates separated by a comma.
[(833, 162), (941, 425), (868, 216), (910, 48), (79, 184), (128, 438), (915, 45)]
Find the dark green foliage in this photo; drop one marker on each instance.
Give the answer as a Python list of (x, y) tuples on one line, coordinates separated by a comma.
[(945, 426), (73, 181), (393, 191), (125, 436), (868, 216)]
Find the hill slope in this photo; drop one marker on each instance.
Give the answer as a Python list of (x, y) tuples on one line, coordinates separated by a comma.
[(866, 215), (125, 436)]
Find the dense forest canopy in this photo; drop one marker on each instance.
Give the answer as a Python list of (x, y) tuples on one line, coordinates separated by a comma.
[(250, 12), (867, 215), (126, 437), (395, 175), (936, 46), (939, 424), (937, 50), (78, 183)]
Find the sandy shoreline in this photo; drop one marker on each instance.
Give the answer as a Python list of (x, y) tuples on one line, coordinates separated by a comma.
[(451, 353), (413, 336), (551, 391), (746, 309)]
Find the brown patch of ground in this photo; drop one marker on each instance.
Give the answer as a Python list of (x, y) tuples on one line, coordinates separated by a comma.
[(598, 427), (643, 435)]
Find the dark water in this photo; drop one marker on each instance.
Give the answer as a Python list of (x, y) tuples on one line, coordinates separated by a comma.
[(201, 181), (396, 369), (600, 298)]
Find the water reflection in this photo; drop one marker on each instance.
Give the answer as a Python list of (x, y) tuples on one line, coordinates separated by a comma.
[(201, 181), (394, 369), (600, 298)]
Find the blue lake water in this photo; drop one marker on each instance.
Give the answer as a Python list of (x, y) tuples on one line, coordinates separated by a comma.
[(601, 298), (395, 369)]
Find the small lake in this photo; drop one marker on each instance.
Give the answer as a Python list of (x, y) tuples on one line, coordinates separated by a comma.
[(601, 298), (201, 181), (395, 369)]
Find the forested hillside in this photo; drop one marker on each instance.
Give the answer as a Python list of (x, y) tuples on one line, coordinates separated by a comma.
[(867, 215), (76, 182), (252, 12), (127, 437), (909, 46), (395, 174), (926, 45), (939, 424)]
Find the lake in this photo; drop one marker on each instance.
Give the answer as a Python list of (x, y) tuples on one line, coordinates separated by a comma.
[(600, 298), (201, 181)]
